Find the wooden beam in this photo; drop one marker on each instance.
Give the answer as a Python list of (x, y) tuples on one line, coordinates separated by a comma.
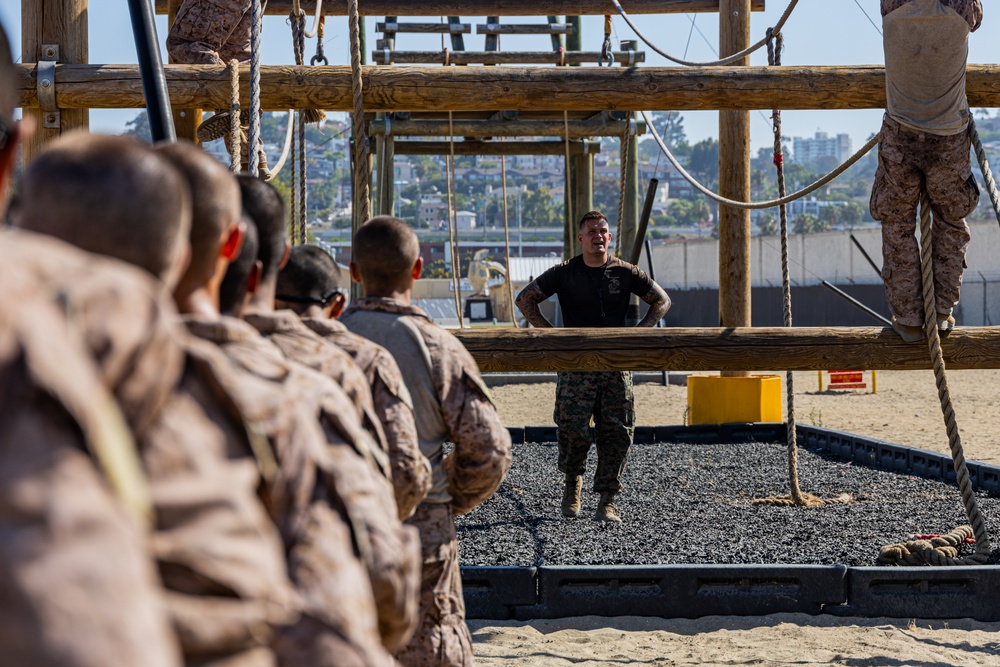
[(492, 88), (598, 125), (388, 57), (497, 147), (502, 7), (739, 349), (53, 30)]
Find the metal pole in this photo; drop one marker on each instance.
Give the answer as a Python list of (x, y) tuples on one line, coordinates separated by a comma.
[(154, 81), (866, 255), (854, 302)]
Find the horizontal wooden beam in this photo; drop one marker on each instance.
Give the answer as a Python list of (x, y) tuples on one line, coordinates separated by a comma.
[(740, 349), (495, 7), (434, 28), (597, 126), (387, 56), (496, 147), (524, 29), (492, 88)]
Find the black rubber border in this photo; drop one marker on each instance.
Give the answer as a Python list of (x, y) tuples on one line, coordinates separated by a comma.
[(692, 591)]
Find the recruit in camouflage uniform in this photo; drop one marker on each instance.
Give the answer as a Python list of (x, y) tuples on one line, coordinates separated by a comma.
[(211, 32), (299, 343), (77, 581), (411, 472), (450, 403), (925, 143), (608, 396), (286, 402), (219, 557)]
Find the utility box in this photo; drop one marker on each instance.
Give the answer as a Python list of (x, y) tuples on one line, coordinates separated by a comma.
[(724, 400)]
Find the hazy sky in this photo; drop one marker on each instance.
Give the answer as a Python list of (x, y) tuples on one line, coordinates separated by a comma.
[(820, 32)]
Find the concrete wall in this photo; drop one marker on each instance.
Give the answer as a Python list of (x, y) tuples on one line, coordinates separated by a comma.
[(831, 256)]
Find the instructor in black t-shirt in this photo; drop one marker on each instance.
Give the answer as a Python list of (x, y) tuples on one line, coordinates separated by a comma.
[(594, 290)]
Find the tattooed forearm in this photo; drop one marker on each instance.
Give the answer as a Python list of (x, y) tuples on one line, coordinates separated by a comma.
[(659, 304), (527, 302)]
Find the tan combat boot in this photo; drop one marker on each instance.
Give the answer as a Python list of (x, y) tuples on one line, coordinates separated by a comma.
[(606, 508), (571, 496)]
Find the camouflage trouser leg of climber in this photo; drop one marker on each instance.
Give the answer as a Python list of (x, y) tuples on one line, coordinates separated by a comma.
[(615, 422), (442, 638), (909, 162), (576, 399)]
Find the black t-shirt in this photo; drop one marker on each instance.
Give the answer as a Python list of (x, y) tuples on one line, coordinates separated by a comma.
[(594, 296)]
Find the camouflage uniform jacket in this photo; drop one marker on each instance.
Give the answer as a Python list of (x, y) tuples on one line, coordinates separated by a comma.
[(279, 399), (411, 472), (300, 344), (76, 577), (211, 32), (218, 554), (482, 453), (970, 10)]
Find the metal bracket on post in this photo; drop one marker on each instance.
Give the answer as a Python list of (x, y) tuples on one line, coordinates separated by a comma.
[(45, 86)]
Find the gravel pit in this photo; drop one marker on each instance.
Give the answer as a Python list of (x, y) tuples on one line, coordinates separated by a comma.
[(693, 503)]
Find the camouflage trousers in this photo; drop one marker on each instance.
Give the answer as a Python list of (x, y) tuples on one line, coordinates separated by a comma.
[(909, 162), (608, 398), (441, 639), (211, 32)]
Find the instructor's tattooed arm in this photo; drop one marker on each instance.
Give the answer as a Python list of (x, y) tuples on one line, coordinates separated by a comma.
[(527, 301), (659, 304)]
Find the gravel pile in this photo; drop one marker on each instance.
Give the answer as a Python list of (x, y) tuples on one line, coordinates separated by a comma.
[(685, 503)]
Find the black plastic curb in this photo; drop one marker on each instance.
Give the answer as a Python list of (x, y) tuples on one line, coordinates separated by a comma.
[(692, 591)]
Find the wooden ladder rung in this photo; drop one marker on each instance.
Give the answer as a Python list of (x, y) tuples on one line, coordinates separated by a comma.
[(524, 29), (386, 56), (445, 28)]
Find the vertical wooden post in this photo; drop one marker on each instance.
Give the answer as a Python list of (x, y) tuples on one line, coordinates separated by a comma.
[(734, 182), (583, 192), (53, 30), (186, 121), (630, 214)]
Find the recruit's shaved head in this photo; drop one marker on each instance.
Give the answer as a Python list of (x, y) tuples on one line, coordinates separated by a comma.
[(311, 273), (265, 207), (235, 284), (109, 195), (385, 250), (215, 206)]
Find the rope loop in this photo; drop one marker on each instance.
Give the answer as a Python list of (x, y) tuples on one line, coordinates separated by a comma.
[(607, 58), (320, 57)]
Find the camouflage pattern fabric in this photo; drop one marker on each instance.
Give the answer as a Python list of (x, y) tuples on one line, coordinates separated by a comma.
[(970, 10), (907, 162), (411, 472), (442, 638), (608, 397), (211, 32)]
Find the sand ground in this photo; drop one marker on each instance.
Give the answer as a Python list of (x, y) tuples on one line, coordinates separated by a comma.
[(905, 410)]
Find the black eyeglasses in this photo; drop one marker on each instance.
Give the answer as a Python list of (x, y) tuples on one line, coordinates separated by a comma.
[(316, 300)]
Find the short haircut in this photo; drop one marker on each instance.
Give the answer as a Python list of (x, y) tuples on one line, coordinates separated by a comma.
[(110, 195), (233, 289), (311, 276), (591, 215), (215, 204), (385, 249), (265, 208), (8, 87)]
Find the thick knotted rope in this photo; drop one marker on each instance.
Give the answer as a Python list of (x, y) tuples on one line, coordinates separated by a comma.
[(235, 130), (724, 61), (456, 261), (253, 142), (506, 243), (362, 195), (625, 141), (919, 552), (984, 167)]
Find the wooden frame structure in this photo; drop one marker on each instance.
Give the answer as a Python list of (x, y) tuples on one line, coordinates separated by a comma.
[(71, 86)]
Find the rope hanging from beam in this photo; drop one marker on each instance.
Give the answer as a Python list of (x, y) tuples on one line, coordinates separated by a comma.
[(984, 167), (622, 178), (724, 61), (235, 131), (253, 142), (944, 552), (809, 189), (362, 177), (506, 243), (456, 261)]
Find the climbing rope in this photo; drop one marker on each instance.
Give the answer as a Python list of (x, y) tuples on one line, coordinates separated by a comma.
[(456, 261), (303, 190), (362, 177), (317, 18), (253, 141), (942, 551), (622, 178), (235, 131), (724, 61), (506, 243), (764, 204), (984, 167)]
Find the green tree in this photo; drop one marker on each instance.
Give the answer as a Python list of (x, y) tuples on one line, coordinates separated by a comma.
[(851, 214), (767, 223), (705, 160), (538, 209), (829, 216), (807, 223)]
